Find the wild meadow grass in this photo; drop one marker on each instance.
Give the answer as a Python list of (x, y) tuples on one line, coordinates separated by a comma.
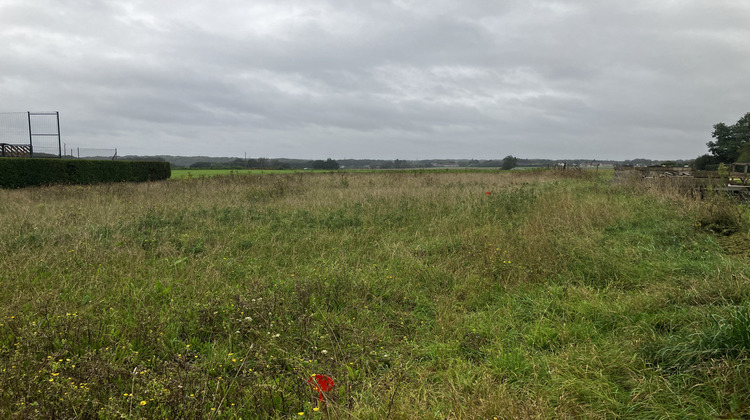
[(197, 173), (533, 294)]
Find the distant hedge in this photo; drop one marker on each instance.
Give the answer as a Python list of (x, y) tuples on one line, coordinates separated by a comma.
[(21, 172)]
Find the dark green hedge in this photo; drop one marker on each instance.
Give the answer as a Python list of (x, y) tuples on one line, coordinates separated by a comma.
[(20, 172)]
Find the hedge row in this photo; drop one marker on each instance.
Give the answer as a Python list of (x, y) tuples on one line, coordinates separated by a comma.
[(21, 172)]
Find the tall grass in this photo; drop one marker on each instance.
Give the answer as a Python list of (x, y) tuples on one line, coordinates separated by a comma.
[(423, 295)]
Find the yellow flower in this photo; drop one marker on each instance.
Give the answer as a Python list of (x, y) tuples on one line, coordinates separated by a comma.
[(143, 402), (316, 409), (301, 413)]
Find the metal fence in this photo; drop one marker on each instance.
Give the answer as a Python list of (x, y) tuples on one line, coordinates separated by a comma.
[(88, 153), (37, 131)]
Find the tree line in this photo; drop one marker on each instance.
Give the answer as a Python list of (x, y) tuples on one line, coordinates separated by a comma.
[(507, 163), (731, 144), (264, 163)]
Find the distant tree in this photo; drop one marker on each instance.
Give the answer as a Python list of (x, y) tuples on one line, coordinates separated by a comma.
[(332, 164), (730, 139), (146, 158), (328, 164), (668, 164), (701, 162), (201, 165), (280, 165), (509, 162)]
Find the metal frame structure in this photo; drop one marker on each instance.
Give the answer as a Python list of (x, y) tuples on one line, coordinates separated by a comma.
[(32, 134)]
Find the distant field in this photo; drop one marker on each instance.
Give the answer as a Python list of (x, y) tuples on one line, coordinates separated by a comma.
[(186, 173), (432, 294)]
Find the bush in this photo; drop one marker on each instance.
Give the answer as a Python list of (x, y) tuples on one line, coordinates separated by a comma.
[(702, 163), (720, 214), (19, 172)]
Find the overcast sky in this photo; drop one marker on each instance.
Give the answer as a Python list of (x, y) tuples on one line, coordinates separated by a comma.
[(407, 79)]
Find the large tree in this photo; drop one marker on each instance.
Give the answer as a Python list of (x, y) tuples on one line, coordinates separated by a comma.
[(730, 139)]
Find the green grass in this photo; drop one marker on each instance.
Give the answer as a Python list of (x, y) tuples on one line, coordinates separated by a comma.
[(190, 173), (197, 173), (558, 294)]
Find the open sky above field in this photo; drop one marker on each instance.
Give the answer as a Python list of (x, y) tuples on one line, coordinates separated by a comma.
[(407, 79)]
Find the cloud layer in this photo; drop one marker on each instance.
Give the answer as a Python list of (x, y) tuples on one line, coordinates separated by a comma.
[(409, 79)]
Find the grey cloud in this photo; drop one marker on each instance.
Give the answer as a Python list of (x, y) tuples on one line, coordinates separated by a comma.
[(400, 79)]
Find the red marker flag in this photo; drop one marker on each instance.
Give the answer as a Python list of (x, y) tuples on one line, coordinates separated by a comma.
[(321, 383)]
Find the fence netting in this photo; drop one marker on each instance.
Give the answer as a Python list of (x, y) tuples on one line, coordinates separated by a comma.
[(14, 128), (45, 135), (38, 132), (90, 153)]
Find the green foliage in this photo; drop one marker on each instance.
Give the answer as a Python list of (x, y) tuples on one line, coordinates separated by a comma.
[(202, 165), (730, 140), (701, 163), (723, 172), (744, 153), (19, 173), (328, 164), (720, 214), (509, 162)]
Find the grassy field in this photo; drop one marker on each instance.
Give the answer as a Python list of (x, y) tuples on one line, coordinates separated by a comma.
[(197, 173), (531, 294)]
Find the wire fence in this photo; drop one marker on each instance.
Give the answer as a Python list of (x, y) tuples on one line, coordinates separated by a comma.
[(38, 131), (45, 133), (89, 153), (14, 128)]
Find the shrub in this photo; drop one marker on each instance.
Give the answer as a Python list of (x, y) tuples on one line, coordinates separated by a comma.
[(720, 215), (19, 172)]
